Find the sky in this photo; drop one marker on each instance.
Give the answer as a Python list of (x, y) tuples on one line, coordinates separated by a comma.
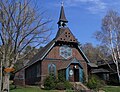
[(84, 16)]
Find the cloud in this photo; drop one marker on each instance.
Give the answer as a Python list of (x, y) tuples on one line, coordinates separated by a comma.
[(97, 6), (94, 6)]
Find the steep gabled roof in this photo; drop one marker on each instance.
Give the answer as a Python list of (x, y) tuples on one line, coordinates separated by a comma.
[(45, 50), (42, 53), (64, 34)]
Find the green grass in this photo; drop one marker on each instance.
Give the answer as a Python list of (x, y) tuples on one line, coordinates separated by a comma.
[(30, 89), (112, 89), (37, 89), (34, 89)]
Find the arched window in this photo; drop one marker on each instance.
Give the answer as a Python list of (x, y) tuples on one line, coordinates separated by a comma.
[(52, 69)]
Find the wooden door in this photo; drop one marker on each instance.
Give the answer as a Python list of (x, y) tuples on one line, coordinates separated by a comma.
[(76, 75)]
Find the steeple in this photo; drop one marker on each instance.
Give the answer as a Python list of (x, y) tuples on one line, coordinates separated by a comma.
[(62, 19)]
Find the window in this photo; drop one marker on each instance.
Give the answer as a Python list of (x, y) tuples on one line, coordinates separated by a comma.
[(65, 51), (106, 77), (52, 69)]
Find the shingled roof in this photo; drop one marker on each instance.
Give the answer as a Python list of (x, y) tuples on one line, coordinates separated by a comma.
[(42, 53), (45, 50), (100, 70), (64, 34), (102, 63)]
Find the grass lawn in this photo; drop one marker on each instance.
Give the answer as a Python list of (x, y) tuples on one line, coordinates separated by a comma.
[(30, 89), (112, 89), (37, 89)]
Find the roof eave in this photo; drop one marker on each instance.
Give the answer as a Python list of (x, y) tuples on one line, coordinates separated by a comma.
[(42, 56), (86, 59)]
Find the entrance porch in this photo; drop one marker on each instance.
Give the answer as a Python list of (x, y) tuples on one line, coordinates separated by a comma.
[(73, 71)]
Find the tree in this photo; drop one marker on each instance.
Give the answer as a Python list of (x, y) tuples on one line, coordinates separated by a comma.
[(110, 36), (21, 25), (25, 60), (94, 53)]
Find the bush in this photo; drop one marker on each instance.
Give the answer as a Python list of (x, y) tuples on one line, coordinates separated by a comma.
[(61, 77), (114, 82), (63, 85), (60, 86), (68, 85), (50, 82), (95, 83)]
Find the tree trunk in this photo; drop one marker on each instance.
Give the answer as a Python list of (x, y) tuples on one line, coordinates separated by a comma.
[(1, 77), (6, 82), (118, 73)]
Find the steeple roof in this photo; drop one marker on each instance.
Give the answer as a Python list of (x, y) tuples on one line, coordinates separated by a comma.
[(62, 15), (62, 18)]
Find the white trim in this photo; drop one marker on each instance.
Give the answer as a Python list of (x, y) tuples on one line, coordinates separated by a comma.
[(47, 51), (84, 54), (43, 55)]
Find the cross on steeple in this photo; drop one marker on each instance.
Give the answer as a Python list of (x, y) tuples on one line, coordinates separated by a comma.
[(62, 3), (62, 19)]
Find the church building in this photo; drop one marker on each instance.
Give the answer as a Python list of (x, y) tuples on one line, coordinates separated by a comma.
[(62, 55)]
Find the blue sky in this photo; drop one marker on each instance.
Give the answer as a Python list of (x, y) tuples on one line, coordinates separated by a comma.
[(84, 16)]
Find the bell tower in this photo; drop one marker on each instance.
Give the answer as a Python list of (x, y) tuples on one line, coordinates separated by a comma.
[(62, 19), (64, 34)]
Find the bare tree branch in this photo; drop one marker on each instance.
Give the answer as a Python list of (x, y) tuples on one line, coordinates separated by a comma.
[(21, 26), (109, 35)]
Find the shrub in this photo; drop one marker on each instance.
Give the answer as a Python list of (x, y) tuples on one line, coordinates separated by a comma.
[(60, 86), (61, 77), (61, 80), (95, 83), (68, 85), (63, 85), (114, 82), (50, 82)]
